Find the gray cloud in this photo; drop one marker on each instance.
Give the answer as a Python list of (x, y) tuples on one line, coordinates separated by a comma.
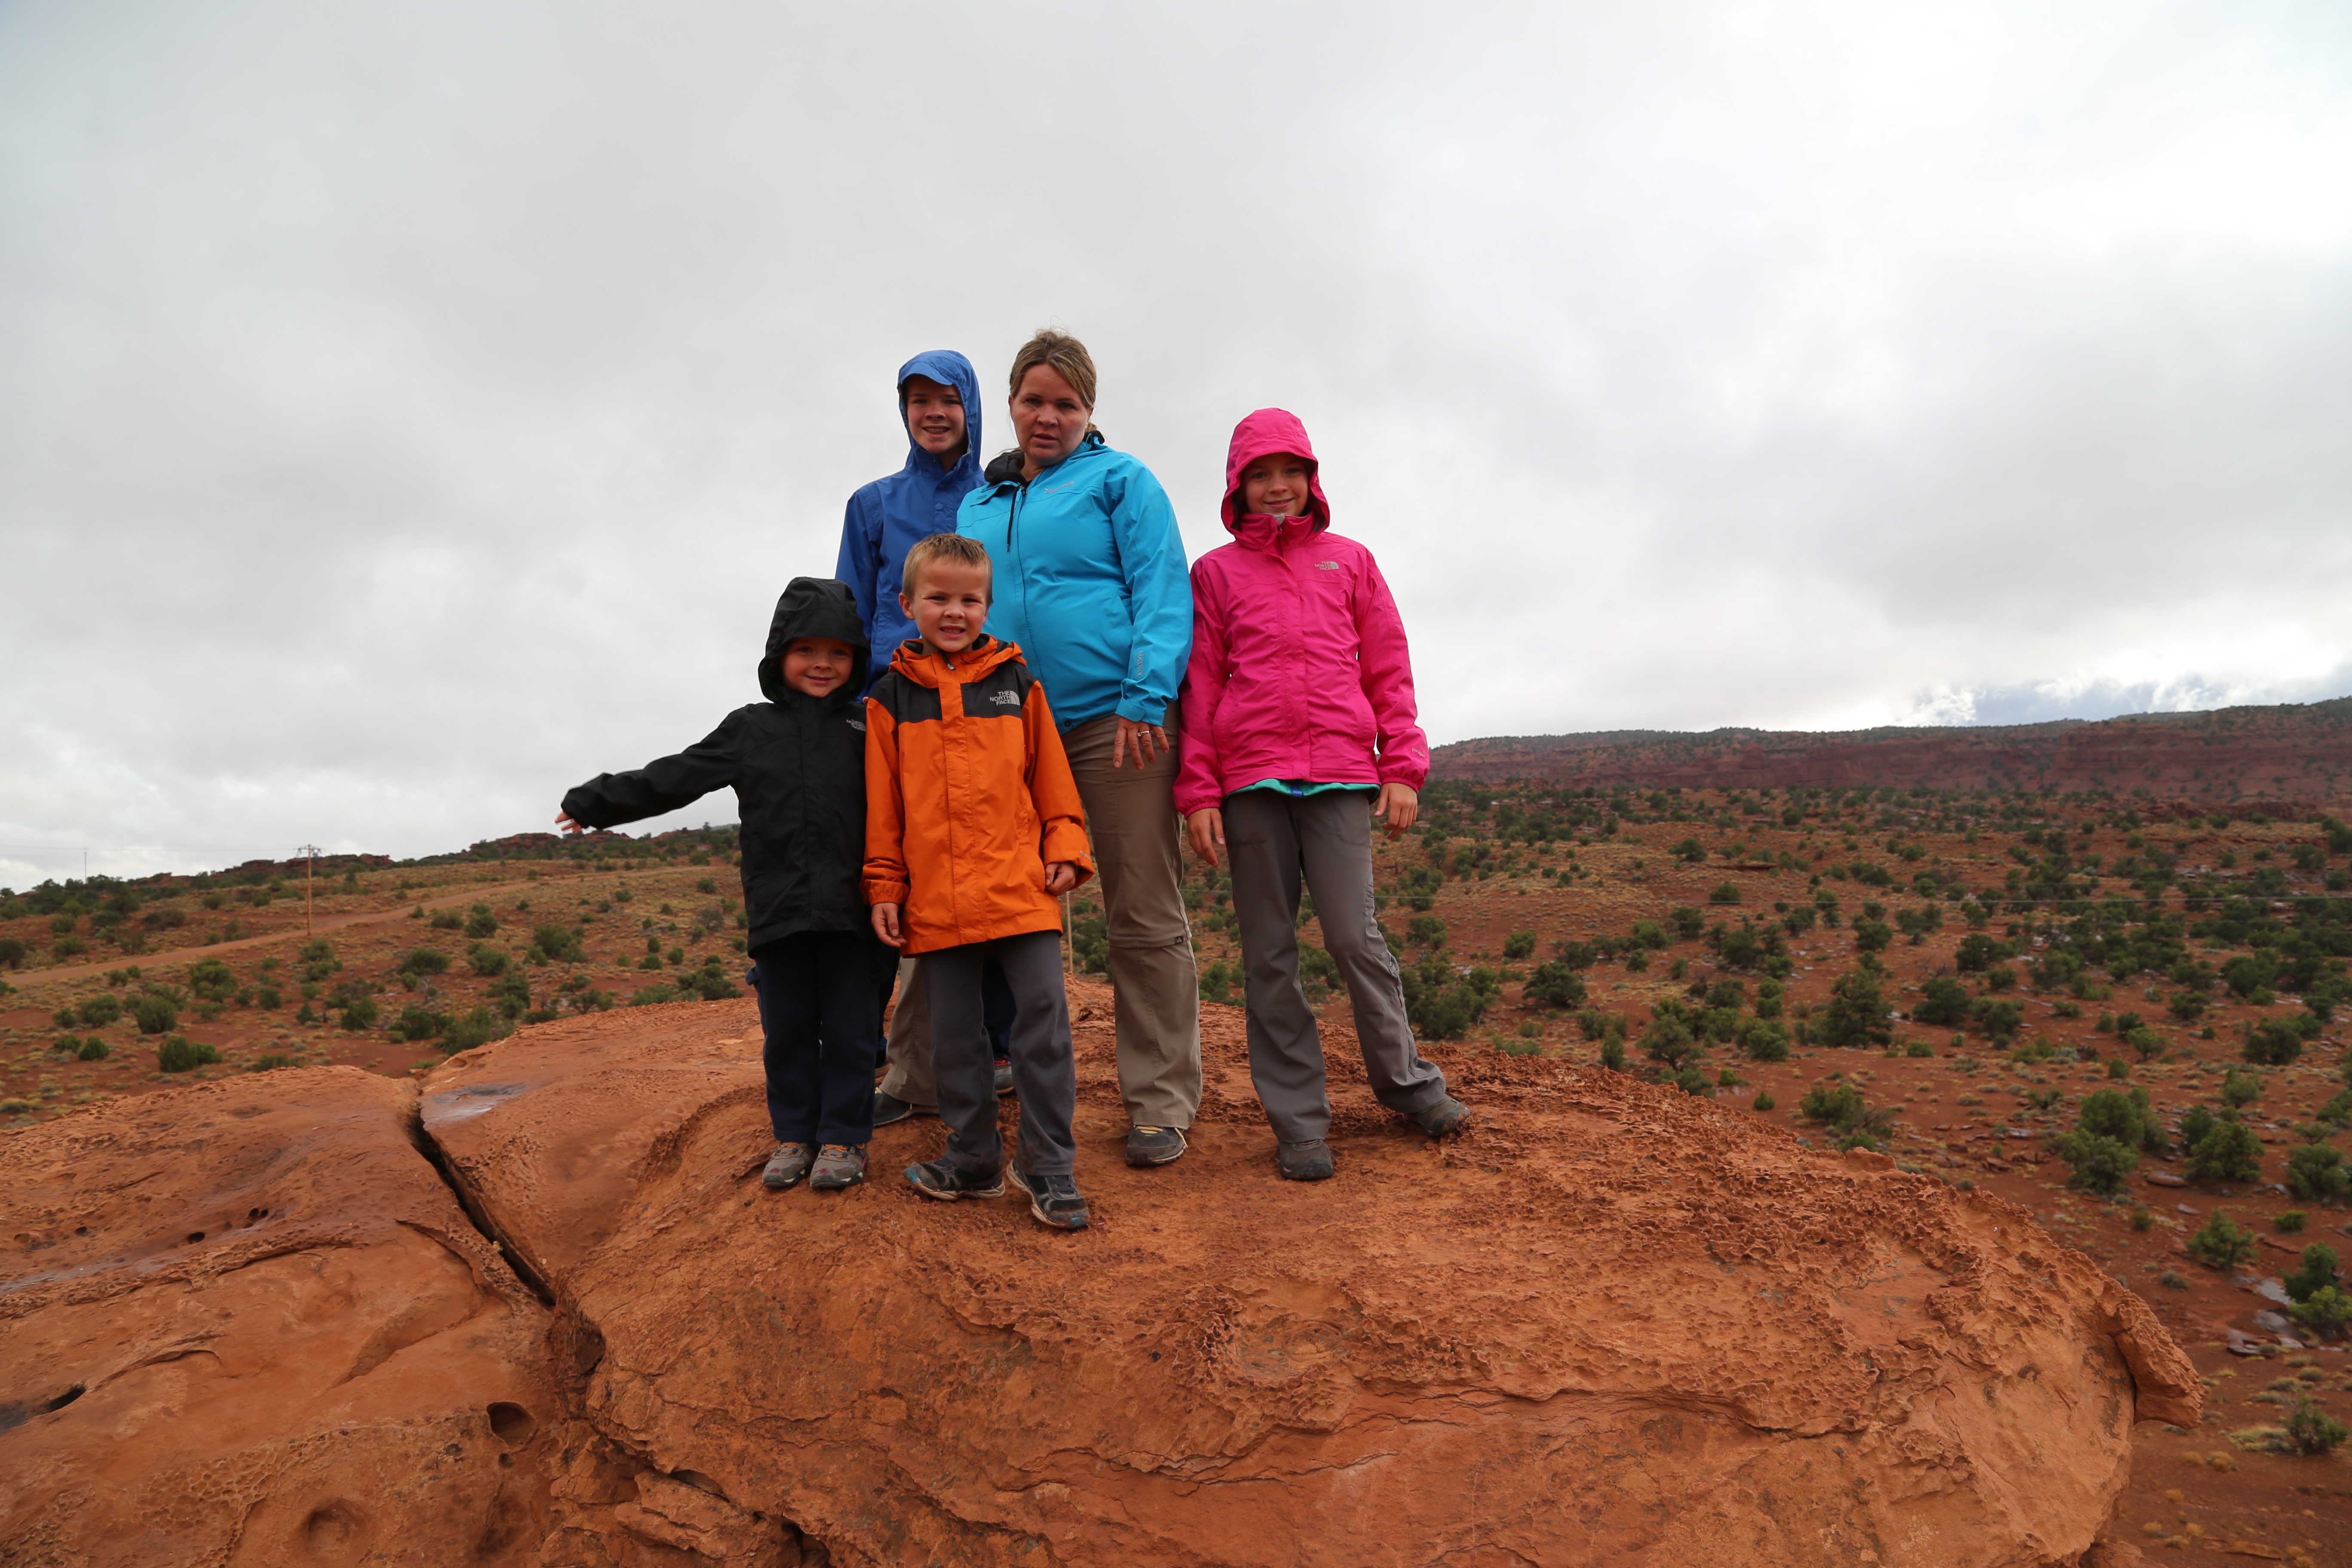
[(407, 412)]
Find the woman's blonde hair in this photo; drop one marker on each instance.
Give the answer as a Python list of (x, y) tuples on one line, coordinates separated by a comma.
[(1064, 355)]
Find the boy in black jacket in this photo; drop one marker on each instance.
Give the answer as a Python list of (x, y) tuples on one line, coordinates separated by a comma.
[(797, 764)]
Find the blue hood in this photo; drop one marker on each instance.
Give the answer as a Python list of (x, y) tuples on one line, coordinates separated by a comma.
[(886, 517)]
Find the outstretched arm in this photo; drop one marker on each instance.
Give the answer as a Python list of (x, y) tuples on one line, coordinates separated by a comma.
[(666, 785)]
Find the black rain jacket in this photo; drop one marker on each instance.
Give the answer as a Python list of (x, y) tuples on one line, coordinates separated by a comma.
[(797, 765)]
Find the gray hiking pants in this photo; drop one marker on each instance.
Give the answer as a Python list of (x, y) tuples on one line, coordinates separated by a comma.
[(1044, 1072), (1272, 840)]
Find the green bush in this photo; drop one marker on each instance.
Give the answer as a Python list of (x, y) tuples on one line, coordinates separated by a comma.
[(2145, 1042), (420, 962), (2311, 1430), (654, 995), (1425, 930), (155, 1014), (510, 993), (1520, 944), (1872, 936), (2100, 1164), (447, 920), (2324, 1312), (176, 1054), (1764, 1040), (360, 1013), (270, 1062), (1669, 1041), (2291, 1221), (2240, 1088), (417, 1023), (2273, 1042), (1686, 921), (1918, 1048), (13, 952), (1724, 893), (1554, 984), (712, 982), (1649, 935), (1943, 1002), (1999, 1021), (486, 960), (2230, 1153), (1855, 1015), (1441, 1005), (1764, 1100), (2126, 1116), (1831, 1102), (94, 1050), (477, 1026), (1613, 1053), (2317, 1269), (318, 960), (2220, 1242), (98, 1011), (480, 923), (557, 943), (2316, 1172)]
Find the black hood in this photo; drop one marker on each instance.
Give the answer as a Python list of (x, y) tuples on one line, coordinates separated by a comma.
[(813, 607)]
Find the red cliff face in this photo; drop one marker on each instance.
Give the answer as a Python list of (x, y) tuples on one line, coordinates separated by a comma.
[(2289, 753)]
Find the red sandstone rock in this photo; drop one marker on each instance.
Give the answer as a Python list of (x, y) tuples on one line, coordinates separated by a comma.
[(1613, 1324), (246, 1322)]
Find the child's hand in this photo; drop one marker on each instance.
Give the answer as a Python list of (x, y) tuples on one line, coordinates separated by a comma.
[(886, 924), (564, 822), (1401, 806), (1206, 829), (1060, 877)]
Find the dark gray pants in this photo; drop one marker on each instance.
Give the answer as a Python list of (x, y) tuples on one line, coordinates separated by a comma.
[(1274, 838), (1044, 1073)]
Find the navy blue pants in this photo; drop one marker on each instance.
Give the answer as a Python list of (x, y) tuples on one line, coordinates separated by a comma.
[(823, 1023)]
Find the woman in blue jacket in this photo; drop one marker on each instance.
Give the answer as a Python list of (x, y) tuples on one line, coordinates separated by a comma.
[(1090, 582)]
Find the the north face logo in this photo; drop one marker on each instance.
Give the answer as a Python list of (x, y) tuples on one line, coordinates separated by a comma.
[(1327, 566), (1005, 699)]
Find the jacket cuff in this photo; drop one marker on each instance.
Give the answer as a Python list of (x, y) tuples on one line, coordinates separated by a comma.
[(1067, 841), (881, 892), (1186, 805), (1136, 712), (1413, 777)]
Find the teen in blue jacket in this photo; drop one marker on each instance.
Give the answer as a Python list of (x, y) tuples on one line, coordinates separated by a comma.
[(938, 404)]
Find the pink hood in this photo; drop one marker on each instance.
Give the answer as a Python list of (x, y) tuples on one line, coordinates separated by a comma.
[(1299, 667), (1261, 435)]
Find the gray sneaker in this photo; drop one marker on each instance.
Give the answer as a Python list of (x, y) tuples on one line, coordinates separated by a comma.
[(1148, 1146), (1307, 1161), (1053, 1199), (889, 1108), (1444, 1119), (839, 1165), (786, 1166)]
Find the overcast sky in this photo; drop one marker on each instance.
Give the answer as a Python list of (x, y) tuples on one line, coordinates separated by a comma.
[(407, 411)]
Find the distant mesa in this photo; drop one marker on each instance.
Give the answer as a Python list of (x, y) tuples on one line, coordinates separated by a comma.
[(2288, 754)]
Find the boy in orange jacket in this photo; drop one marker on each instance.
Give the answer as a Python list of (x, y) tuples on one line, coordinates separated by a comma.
[(973, 830)]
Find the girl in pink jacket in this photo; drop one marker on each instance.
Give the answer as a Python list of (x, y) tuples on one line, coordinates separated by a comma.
[(1298, 712)]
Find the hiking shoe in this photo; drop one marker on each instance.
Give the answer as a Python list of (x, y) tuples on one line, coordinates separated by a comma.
[(839, 1165), (1148, 1146), (1444, 1119), (1054, 1200), (939, 1179), (1307, 1161), (889, 1108), (786, 1166), (1003, 1077)]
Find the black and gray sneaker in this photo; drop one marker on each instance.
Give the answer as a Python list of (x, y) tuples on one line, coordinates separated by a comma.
[(1307, 1161), (1054, 1200), (1149, 1146), (939, 1179), (1003, 1077), (786, 1166), (838, 1166), (1444, 1119), (889, 1108)]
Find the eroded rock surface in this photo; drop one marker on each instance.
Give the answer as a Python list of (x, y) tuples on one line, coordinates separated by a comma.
[(246, 1322), (1615, 1324)]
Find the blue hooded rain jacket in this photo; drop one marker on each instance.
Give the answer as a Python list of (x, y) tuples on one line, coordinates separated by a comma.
[(886, 517), (1090, 582)]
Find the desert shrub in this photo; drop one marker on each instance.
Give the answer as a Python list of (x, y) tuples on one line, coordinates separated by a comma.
[(1724, 893), (1441, 1005), (360, 1013), (94, 1050), (2220, 1242), (510, 993), (486, 960), (98, 1011), (2311, 1430), (1554, 984), (712, 982), (420, 962), (1831, 1102), (1855, 1015), (2145, 1042), (1613, 1053), (1686, 921), (2338, 1111), (177, 1054), (1425, 930), (654, 994), (1978, 952), (556, 943), (1764, 1040), (2273, 1042), (1689, 850), (1669, 1041), (2185, 1007), (13, 952), (1943, 1002), (318, 960), (2240, 1088), (2291, 1221), (69, 947), (447, 920), (2127, 1116), (1771, 996), (2316, 1172), (212, 980), (1764, 1100), (1872, 936), (1519, 944), (2316, 1269), (476, 1026), (417, 1023), (1999, 1021), (2230, 1153), (270, 1062), (1649, 935), (2100, 1164), (2000, 977), (2324, 1312), (480, 923), (155, 1014)]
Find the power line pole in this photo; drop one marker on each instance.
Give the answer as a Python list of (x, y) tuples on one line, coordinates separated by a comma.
[(310, 857)]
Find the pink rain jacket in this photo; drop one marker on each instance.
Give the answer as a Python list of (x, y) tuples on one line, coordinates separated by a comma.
[(1299, 668)]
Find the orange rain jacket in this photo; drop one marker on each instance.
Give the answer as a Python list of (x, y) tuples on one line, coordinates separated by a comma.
[(967, 796)]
